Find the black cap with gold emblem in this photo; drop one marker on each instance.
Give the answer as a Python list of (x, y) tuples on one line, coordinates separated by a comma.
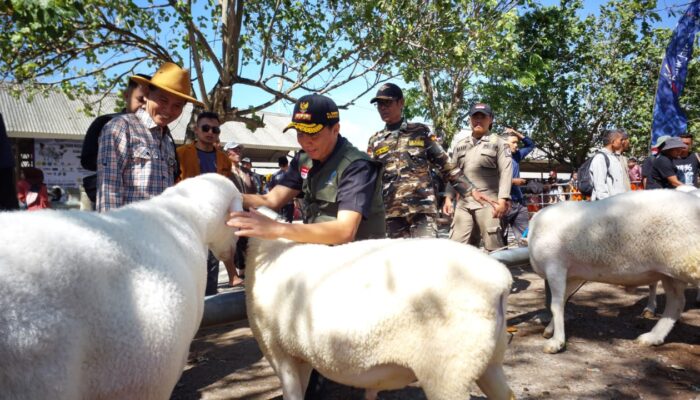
[(312, 113), (388, 91)]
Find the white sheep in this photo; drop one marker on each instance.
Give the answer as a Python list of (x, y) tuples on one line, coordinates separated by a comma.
[(380, 314), (631, 239), (650, 309), (104, 306)]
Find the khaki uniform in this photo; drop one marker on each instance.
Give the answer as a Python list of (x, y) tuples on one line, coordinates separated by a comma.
[(408, 191), (488, 165)]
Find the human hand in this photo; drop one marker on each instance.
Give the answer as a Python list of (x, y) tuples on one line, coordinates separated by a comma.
[(481, 198), (519, 181), (447, 208), (511, 131), (500, 208), (254, 224)]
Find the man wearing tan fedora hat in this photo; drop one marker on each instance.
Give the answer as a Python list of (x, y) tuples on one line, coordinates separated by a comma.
[(136, 158)]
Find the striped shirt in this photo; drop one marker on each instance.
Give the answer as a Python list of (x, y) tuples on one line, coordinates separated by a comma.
[(135, 161)]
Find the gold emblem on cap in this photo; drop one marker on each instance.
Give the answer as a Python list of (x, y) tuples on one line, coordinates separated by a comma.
[(303, 106)]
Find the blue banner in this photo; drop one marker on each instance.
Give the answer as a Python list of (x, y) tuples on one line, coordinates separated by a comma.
[(669, 118)]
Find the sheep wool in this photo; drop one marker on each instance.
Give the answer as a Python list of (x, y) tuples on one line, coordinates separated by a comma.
[(631, 239), (104, 306), (380, 314)]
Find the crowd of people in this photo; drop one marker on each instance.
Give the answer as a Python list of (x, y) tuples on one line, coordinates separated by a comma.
[(344, 193)]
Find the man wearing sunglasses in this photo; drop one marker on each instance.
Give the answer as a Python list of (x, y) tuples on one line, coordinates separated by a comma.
[(202, 157)]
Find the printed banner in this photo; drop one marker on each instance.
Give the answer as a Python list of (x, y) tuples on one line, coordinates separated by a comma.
[(60, 162)]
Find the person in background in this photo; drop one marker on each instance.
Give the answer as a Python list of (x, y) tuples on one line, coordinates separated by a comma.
[(247, 167), (134, 99), (664, 174), (634, 171), (688, 163), (203, 157), (648, 163), (408, 151), (32, 192), (8, 187), (575, 195), (623, 159), (485, 159), (287, 210), (607, 174), (517, 216)]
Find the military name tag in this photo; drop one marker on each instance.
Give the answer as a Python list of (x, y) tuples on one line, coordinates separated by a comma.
[(417, 143), (381, 150)]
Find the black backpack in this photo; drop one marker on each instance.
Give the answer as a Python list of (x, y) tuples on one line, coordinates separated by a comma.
[(585, 183)]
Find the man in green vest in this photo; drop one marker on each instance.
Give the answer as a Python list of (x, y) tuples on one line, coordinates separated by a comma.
[(342, 191), (341, 185)]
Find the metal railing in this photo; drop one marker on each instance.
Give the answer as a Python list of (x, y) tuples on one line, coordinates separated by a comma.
[(562, 192)]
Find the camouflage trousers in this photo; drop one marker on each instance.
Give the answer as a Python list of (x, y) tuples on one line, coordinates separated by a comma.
[(411, 226)]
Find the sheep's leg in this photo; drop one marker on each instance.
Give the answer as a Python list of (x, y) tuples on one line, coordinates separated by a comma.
[(558, 285), (305, 375), (493, 383), (371, 394), (650, 308), (290, 373), (675, 301), (572, 284), (697, 296)]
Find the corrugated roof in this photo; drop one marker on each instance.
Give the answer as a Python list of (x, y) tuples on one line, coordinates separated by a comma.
[(54, 116)]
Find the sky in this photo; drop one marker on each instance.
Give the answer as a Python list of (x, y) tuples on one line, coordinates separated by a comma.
[(361, 120)]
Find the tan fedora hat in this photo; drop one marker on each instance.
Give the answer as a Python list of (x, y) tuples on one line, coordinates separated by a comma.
[(171, 78)]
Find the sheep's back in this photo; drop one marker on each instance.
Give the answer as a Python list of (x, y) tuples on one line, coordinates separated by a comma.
[(631, 231), (365, 296), (78, 289)]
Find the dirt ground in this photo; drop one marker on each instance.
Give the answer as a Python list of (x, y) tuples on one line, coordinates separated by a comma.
[(602, 360)]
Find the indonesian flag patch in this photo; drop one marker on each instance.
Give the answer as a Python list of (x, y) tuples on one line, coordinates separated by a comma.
[(304, 171)]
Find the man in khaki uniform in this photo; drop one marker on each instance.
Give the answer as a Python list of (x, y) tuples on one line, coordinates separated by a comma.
[(485, 159)]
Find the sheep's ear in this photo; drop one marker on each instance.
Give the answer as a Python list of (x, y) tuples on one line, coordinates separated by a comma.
[(236, 203)]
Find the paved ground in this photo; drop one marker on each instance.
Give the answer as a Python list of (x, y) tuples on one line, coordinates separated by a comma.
[(602, 361)]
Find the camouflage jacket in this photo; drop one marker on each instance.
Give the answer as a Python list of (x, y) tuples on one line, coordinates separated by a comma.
[(406, 155)]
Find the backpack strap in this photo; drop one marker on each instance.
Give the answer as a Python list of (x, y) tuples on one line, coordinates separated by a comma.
[(607, 163)]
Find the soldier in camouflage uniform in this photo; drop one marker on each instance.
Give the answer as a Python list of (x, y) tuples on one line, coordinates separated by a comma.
[(407, 151), (486, 159)]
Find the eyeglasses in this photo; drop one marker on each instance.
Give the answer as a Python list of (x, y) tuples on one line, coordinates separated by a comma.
[(215, 129), (383, 103)]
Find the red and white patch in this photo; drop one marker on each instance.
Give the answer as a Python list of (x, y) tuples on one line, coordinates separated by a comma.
[(304, 172)]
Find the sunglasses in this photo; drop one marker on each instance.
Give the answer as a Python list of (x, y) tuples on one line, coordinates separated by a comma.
[(215, 129)]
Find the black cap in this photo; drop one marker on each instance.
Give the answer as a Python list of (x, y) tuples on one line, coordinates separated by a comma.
[(388, 91), (480, 108), (312, 113)]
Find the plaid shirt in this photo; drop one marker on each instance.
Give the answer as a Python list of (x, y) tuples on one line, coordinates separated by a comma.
[(135, 161)]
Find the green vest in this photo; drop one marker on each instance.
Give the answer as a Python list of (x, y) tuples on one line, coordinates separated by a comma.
[(321, 191)]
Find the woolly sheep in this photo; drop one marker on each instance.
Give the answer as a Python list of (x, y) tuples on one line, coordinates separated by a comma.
[(104, 306), (367, 314), (601, 241), (650, 308)]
